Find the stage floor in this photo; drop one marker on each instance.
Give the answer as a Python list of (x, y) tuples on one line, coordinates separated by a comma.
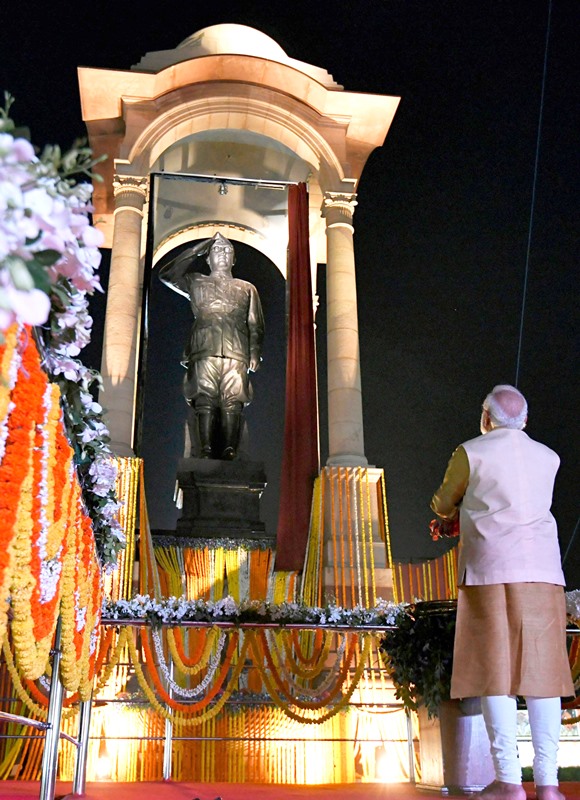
[(13, 790)]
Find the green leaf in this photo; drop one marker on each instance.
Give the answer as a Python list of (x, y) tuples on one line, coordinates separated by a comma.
[(47, 257), (40, 276)]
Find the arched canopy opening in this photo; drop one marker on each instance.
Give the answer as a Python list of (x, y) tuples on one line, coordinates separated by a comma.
[(249, 205)]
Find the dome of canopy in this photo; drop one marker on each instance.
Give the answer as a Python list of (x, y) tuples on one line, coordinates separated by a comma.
[(234, 39)]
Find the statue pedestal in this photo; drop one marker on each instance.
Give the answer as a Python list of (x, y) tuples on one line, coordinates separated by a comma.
[(221, 499)]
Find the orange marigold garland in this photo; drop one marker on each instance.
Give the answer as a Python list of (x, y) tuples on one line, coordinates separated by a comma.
[(321, 650), (186, 715), (20, 489), (264, 651), (81, 603), (216, 685), (13, 468), (46, 534)]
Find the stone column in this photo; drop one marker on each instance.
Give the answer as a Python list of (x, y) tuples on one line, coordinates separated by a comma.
[(121, 337), (345, 420)]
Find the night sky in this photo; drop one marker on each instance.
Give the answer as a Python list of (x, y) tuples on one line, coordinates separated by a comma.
[(441, 230)]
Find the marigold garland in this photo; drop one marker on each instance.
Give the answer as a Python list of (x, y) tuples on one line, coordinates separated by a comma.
[(80, 605), (342, 703), (31, 655), (45, 564), (114, 654), (200, 687), (46, 534), (315, 664), (313, 643), (179, 717), (264, 652), (35, 693), (300, 686), (14, 469), (9, 364), (202, 652), (289, 668), (21, 692), (217, 685)]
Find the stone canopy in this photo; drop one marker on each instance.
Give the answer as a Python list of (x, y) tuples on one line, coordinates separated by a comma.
[(229, 102)]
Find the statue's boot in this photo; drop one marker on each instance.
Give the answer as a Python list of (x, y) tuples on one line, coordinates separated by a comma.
[(230, 434), (206, 420)]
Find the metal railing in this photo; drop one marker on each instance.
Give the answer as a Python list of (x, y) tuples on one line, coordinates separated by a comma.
[(55, 703)]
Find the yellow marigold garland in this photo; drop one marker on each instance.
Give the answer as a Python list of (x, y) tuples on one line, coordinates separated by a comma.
[(263, 652), (23, 695), (316, 663), (180, 717), (114, 654), (8, 354), (203, 658), (80, 604), (21, 692), (331, 712)]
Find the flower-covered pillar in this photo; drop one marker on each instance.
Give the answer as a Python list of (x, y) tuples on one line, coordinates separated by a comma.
[(356, 563), (121, 336)]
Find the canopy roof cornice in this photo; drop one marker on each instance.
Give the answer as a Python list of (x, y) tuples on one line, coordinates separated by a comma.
[(300, 106), (103, 91)]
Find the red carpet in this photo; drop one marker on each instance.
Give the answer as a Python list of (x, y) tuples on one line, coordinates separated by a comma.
[(14, 790)]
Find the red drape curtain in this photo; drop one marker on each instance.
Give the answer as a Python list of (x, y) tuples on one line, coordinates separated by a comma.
[(300, 462)]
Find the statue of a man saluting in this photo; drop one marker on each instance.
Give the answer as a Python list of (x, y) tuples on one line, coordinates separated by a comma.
[(224, 344)]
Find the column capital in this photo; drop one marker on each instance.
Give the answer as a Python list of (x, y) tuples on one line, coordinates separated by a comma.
[(130, 191), (338, 208)]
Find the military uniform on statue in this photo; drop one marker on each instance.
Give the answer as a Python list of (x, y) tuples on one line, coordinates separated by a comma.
[(223, 346), (511, 606)]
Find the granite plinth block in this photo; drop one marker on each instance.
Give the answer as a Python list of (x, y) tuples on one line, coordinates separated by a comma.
[(221, 498)]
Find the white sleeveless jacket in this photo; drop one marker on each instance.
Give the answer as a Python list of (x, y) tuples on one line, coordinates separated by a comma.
[(508, 533)]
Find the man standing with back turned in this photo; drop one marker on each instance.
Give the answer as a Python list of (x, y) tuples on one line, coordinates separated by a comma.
[(510, 637)]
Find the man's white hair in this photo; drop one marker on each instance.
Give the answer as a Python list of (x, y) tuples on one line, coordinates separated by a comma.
[(507, 407)]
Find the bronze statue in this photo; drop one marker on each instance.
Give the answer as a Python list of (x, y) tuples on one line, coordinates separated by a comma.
[(224, 344)]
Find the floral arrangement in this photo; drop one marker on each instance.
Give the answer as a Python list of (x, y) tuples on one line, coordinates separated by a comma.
[(48, 249), (444, 528), (419, 654), (49, 256), (48, 559), (173, 611), (215, 543), (311, 676)]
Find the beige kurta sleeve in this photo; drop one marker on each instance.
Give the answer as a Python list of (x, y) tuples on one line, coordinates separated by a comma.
[(447, 499)]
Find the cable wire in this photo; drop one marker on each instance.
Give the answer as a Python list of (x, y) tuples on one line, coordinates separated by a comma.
[(533, 202)]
